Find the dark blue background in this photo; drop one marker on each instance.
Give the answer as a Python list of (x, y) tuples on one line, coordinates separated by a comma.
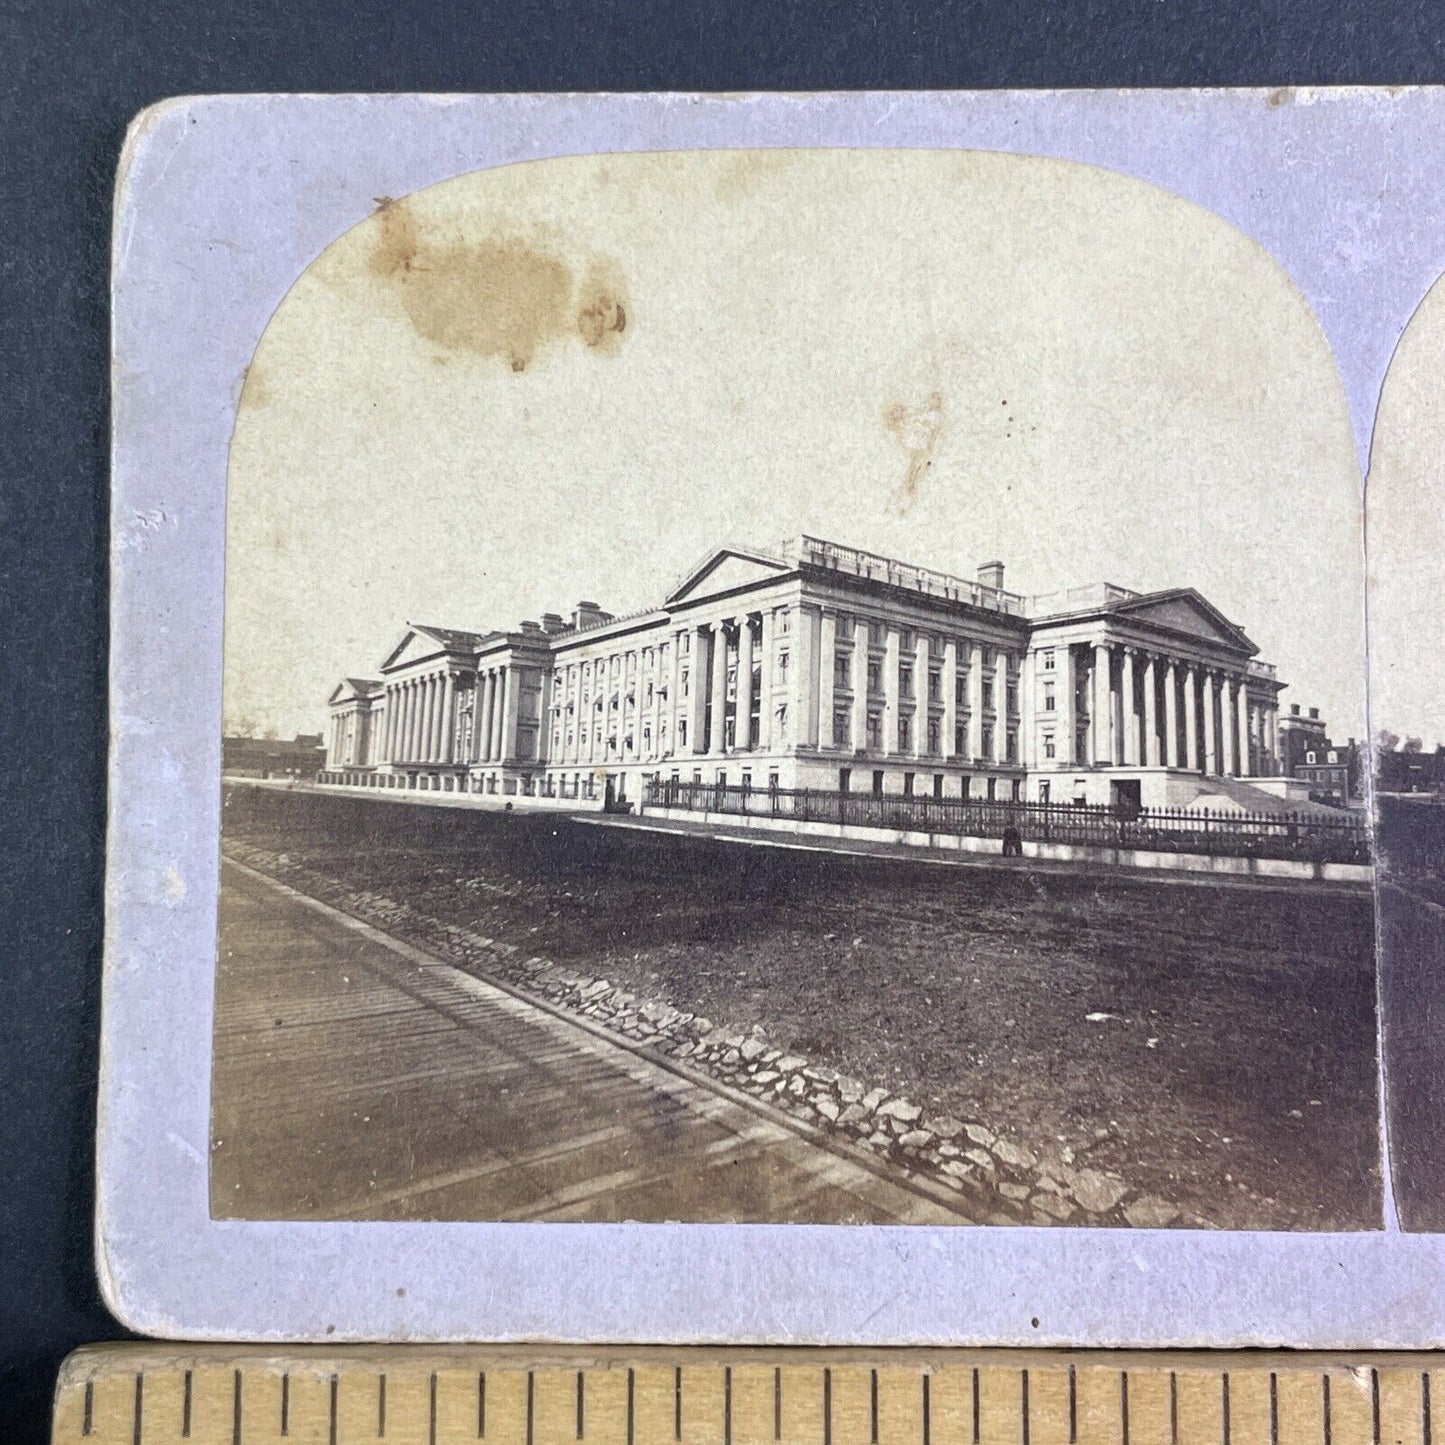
[(71, 76)]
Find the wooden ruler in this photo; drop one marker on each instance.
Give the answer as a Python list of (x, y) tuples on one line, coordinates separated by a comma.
[(157, 1394)]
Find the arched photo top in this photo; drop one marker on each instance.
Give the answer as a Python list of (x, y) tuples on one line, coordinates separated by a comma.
[(581, 373)]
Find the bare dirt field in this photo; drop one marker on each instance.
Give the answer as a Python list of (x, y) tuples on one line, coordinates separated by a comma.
[(1213, 1043)]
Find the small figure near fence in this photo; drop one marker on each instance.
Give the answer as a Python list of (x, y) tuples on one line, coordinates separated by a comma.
[(1013, 843)]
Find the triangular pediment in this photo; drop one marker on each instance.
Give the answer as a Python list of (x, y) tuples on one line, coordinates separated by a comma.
[(726, 569), (420, 642), (1188, 612)]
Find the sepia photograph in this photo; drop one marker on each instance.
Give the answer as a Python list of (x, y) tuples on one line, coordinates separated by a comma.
[(1406, 530), (807, 687)]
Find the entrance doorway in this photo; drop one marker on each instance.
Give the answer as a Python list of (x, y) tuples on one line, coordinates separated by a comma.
[(1124, 794)]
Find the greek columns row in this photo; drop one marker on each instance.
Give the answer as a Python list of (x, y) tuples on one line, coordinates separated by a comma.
[(1145, 709), (425, 722), (900, 722)]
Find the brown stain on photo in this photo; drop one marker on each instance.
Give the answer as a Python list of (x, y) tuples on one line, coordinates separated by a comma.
[(917, 430), (495, 296), (602, 309)]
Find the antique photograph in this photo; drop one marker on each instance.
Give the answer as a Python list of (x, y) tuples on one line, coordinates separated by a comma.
[(801, 686), (1406, 529)]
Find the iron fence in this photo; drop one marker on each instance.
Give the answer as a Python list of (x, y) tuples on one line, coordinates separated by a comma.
[(1307, 837)]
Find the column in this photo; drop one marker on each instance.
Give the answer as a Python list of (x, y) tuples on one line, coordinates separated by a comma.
[(827, 653), (419, 750), (437, 721), (1064, 706), (1228, 756), (1128, 711), (1151, 712), (1246, 761), (890, 689), (859, 682), (1103, 707), (417, 719), (1191, 720), (511, 710), (975, 700), (805, 669), (696, 690), (1028, 742), (1211, 753), (428, 717), (741, 734), (506, 683), (1271, 733), (449, 718), (1171, 716), (922, 661), (403, 742), (717, 692), (765, 680), (482, 727), (388, 728), (1000, 707), (949, 682)]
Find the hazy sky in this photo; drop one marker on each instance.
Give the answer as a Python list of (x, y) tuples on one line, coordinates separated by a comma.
[(1406, 533), (571, 378)]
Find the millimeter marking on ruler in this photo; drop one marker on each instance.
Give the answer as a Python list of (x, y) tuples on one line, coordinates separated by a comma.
[(154, 1395)]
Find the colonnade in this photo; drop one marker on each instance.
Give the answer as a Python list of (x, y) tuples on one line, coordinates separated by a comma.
[(670, 697), (1149, 709)]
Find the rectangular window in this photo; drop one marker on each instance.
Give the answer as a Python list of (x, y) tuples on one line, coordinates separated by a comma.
[(908, 785), (1048, 745), (1044, 792), (905, 679), (729, 732), (1048, 656), (1013, 789), (845, 777), (992, 789), (875, 731), (875, 677), (878, 783), (682, 732), (905, 639), (783, 621), (842, 719), (681, 685), (960, 690), (935, 685), (965, 789), (988, 740), (938, 785), (773, 782), (960, 738), (905, 734), (841, 660), (1012, 696), (1049, 700), (1011, 746), (845, 629), (933, 729)]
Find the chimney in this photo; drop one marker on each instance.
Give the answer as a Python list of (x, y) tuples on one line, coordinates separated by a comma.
[(1315, 713), (532, 629), (1294, 709), (589, 614), (552, 623), (991, 575)]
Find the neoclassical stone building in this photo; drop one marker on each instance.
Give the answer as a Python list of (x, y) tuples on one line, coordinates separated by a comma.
[(822, 666)]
